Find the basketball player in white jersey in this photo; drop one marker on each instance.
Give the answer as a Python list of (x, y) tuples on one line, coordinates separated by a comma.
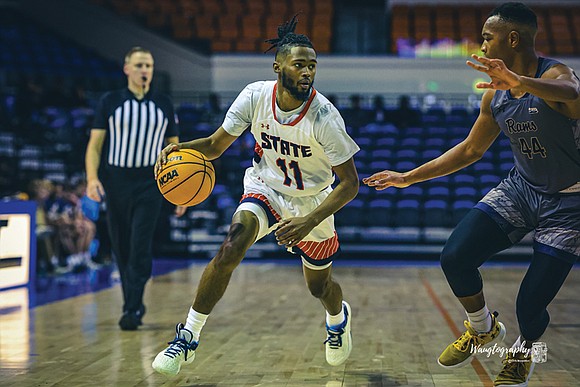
[(301, 141)]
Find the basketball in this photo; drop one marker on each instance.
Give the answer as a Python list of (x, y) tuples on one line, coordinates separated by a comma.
[(187, 178)]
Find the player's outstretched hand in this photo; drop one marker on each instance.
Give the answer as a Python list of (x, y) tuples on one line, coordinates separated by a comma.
[(162, 158), (502, 78), (386, 179)]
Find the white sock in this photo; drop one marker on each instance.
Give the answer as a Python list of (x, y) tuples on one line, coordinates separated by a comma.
[(480, 320), (195, 321), (338, 319)]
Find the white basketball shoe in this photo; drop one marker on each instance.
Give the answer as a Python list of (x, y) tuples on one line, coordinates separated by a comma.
[(181, 350), (339, 341)]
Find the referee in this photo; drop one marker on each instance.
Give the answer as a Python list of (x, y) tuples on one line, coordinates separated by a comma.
[(130, 128)]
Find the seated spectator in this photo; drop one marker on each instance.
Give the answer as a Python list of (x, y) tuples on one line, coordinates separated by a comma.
[(75, 231), (405, 116), (39, 191), (213, 112), (355, 116), (379, 111)]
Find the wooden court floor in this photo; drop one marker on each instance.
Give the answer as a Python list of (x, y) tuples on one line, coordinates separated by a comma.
[(269, 331)]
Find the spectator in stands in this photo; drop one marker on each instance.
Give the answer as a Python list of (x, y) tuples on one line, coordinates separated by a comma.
[(405, 116), (213, 112), (78, 96), (379, 111), (301, 143), (75, 231), (39, 191), (356, 116), (122, 174), (534, 101), (29, 100)]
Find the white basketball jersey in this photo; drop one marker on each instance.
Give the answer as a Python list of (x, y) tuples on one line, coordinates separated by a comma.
[(295, 158)]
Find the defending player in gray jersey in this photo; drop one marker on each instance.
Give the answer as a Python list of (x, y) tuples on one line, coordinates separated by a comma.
[(536, 103)]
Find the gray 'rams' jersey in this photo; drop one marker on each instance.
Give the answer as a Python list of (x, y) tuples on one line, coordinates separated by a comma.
[(545, 143)]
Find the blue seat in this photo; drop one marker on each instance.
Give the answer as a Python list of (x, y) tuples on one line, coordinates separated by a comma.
[(408, 213), (379, 213), (435, 143), (386, 142), (430, 154), (483, 167), (485, 189), (381, 154), (352, 215), (504, 168), (461, 179), (404, 166), (466, 193), (459, 131), (438, 192), (506, 156), (365, 193), (460, 208), (380, 165), (406, 155), (411, 142), (454, 141), (415, 131), (504, 143), (436, 213), (364, 142), (414, 192), (437, 132), (489, 180)]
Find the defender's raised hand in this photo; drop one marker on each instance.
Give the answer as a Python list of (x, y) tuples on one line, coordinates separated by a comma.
[(502, 78)]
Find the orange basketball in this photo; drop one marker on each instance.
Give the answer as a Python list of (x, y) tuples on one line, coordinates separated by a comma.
[(187, 178)]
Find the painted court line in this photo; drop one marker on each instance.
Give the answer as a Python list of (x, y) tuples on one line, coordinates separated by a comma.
[(476, 364)]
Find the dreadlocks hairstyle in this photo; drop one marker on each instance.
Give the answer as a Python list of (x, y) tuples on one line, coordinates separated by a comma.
[(516, 13), (287, 38)]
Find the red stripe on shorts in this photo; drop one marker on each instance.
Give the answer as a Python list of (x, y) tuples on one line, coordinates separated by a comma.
[(263, 199), (320, 250)]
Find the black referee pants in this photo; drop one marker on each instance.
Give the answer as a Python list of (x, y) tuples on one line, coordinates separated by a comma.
[(133, 206)]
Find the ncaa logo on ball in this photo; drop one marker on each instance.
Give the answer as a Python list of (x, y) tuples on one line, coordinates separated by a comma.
[(166, 178)]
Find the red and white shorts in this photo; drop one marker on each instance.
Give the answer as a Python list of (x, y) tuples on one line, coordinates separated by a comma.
[(318, 248)]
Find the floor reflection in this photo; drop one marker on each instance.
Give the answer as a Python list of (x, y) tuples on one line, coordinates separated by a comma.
[(15, 345)]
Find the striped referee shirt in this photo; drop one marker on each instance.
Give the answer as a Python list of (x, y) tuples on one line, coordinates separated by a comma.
[(135, 128)]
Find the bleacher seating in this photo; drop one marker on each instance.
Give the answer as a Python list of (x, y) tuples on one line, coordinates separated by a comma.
[(229, 25), (28, 50), (393, 215), (558, 26)]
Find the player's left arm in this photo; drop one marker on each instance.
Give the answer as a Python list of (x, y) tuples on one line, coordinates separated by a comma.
[(293, 230), (559, 86), (171, 140)]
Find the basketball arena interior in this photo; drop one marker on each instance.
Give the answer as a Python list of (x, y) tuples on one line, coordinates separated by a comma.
[(396, 71)]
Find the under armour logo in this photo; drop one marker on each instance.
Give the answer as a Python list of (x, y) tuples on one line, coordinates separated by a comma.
[(533, 110), (267, 126)]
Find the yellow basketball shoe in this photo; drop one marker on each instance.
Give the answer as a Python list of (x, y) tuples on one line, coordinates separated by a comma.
[(339, 341), (517, 370), (458, 353)]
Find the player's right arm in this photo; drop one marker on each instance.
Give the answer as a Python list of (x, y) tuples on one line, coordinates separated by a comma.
[(483, 133), (212, 147), (95, 189), (237, 119)]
